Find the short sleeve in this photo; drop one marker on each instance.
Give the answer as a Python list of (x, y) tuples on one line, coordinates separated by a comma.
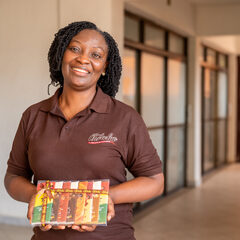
[(142, 158), (18, 160)]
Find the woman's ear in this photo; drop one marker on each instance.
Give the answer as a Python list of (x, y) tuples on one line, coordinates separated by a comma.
[(105, 67)]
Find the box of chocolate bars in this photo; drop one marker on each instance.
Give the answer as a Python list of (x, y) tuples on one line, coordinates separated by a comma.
[(71, 202)]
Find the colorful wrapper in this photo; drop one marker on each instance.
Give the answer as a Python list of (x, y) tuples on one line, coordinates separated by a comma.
[(71, 202)]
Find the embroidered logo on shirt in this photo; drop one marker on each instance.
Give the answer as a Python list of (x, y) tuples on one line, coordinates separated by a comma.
[(98, 138)]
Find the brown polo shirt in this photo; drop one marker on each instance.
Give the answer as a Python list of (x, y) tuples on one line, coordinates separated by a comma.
[(99, 142)]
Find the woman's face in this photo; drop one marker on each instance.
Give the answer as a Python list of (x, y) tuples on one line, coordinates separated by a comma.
[(84, 60)]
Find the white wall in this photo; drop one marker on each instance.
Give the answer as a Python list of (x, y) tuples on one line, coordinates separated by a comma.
[(194, 156), (27, 29), (222, 19), (24, 43), (227, 44)]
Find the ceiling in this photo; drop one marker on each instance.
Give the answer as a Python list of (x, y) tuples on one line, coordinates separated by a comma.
[(213, 2)]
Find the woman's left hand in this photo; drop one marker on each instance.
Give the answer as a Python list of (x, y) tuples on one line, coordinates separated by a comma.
[(91, 228), (111, 210), (84, 228)]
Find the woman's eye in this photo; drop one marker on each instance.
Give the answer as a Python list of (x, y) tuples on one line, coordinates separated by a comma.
[(74, 49), (96, 55)]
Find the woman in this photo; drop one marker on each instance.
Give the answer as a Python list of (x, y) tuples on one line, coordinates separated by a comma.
[(83, 133)]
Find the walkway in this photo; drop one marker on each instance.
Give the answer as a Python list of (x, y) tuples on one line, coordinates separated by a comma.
[(210, 212)]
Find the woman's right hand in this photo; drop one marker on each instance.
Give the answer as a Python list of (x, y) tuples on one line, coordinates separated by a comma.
[(30, 212)]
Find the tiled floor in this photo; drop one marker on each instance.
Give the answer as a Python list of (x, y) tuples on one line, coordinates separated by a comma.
[(210, 212)]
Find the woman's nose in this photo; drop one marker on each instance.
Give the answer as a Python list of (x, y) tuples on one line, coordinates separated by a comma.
[(82, 58)]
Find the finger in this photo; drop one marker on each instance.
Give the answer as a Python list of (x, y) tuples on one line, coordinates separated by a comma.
[(30, 208), (111, 211), (77, 228), (59, 227), (46, 228), (88, 228)]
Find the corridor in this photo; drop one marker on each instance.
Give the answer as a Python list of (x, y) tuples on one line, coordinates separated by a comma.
[(209, 212)]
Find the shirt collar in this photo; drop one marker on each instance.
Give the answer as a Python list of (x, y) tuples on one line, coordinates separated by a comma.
[(100, 103)]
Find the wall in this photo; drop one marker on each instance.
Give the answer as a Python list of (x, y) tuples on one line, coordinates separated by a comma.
[(194, 156), (24, 43), (27, 29), (227, 43), (222, 19)]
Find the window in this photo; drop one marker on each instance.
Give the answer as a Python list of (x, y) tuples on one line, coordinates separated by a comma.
[(154, 64), (214, 109)]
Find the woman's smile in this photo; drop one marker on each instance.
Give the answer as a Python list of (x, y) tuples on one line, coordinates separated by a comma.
[(80, 71)]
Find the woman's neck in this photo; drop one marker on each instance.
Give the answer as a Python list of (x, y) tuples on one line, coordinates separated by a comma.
[(72, 102)]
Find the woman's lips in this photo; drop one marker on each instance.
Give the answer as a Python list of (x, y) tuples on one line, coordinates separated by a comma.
[(80, 70)]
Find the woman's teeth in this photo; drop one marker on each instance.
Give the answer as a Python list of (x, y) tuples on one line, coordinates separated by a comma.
[(80, 70)]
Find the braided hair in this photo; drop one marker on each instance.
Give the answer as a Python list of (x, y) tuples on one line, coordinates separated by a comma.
[(108, 83)]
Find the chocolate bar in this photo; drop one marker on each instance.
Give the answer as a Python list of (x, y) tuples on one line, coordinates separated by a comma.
[(71, 202)]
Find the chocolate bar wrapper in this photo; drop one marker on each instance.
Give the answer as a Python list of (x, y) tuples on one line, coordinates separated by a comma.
[(87, 217), (72, 204), (41, 185), (55, 206), (50, 205), (97, 185), (76, 202), (79, 213), (37, 210), (63, 204), (103, 205)]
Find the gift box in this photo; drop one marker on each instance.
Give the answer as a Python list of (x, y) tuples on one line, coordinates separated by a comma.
[(71, 202)]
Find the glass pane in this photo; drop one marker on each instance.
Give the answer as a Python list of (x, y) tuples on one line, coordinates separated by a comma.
[(131, 27), (176, 44), (211, 56), (129, 77), (222, 94), (209, 145), (156, 136), (209, 94), (221, 155), (176, 92), (222, 61), (154, 36), (157, 139), (175, 160), (152, 94)]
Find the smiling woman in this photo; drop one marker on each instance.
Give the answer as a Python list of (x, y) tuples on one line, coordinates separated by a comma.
[(84, 60), (84, 133)]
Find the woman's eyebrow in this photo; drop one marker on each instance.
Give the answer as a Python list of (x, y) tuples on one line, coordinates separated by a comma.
[(75, 40)]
